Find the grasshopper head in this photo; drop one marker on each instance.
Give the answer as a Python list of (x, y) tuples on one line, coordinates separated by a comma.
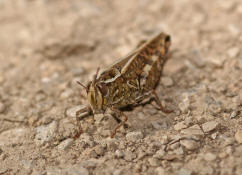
[(164, 43), (95, 94)]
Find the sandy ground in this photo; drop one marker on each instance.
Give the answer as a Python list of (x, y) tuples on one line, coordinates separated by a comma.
[(46, 46)]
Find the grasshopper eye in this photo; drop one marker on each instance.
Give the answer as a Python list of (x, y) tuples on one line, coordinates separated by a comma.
[(103, 88), (167, 39)]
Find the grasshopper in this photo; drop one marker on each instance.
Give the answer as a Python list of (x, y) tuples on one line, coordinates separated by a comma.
[(128, 81)]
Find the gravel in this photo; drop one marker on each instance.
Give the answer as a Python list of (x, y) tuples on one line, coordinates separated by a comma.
[(39, 97), (134, 136), (46, 133), (190, 144), (209, 126), (238, 136)]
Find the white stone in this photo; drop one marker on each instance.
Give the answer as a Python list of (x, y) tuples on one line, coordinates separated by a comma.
[(45, 133), (65, 144), (209, 126)]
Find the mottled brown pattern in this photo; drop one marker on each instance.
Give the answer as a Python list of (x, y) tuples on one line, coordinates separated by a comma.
[(131, 79)]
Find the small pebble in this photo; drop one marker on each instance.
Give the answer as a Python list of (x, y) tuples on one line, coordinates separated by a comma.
[(159, 154), (65, 144), (154, 161), (180, 126), (134, 136), (185, 104), (99, 150), (167, 81), (129, 156), (233, 114), (160, 171), (184, 172), (190, 144), (193, 130), (45, 133), (238, 136), (209, 126), (233, 52), (209, 157), (214, 135), (119, 154), (13, 136), (66, 94)]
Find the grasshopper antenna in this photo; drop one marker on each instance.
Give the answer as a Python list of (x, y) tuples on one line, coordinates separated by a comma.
[(95, 76), (78, 82)]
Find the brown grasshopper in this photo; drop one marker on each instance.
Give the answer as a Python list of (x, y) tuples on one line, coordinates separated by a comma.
[(128, 81)]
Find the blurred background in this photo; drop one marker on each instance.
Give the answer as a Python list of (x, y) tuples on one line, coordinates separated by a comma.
[(46, 45)]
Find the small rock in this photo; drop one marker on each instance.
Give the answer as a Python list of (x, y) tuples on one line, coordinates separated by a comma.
[(87, 139), (233, 114), (167, 81), (233, 52), (129, 156), (164, 140), (179, 151), (185, 104), (174, 146), (2, 107), (193, 130), (75, 170), (119, 154), (160, 171), (223, 155), (209, 157), (71, 112), (238, 136), (65, 144), (117, 172), (141, 115), (45, 133), (180, 126), (154, 162), (190, 144), (99, 150), (209, 126), (13, 136), (134, 136), (184, 172), (228, 141), (66, 94), (159, 154), (214, 135)]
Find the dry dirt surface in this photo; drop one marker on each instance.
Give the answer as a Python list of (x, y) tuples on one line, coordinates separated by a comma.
[(47, 45)]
